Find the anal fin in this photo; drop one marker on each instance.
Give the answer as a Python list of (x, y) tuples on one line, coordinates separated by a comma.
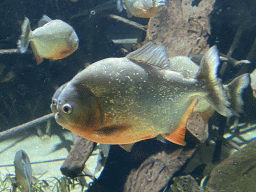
[(127, 147), (178, 136)]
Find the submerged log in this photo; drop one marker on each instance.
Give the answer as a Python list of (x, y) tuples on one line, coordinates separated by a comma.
[(197, 127), (17, 130), (9, 51), (79, 154), (183, 27), (157, 170)]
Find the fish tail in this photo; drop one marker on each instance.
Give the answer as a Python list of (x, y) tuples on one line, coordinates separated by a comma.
[(234, 91), (119, 5), (216, 94), (23, 41)]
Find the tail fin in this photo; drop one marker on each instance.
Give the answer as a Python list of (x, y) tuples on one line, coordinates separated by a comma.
[(23, 41), (216, 96), (119, 5), (234, 91)]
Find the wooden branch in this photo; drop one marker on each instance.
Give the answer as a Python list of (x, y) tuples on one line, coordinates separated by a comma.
[(79, 154), (9, 51), (15, 130), (129, 22)]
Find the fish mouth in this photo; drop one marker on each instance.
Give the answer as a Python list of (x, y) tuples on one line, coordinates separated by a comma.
[(57, 118)]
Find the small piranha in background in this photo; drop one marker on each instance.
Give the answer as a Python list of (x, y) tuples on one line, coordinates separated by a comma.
[(53, 39), (141, 8), (253, 82), (23, 170), (137, 97)]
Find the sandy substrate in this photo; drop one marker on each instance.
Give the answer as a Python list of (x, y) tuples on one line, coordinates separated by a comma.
[(46, 155)]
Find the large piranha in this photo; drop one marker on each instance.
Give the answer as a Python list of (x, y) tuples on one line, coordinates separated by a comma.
[(141, 96)]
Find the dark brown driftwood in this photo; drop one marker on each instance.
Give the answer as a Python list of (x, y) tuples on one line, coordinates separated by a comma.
[(18, 129), (75, 162), (9, 51), (183, 27), (157, 170)]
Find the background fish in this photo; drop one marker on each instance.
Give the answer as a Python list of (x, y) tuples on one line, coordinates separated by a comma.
[(125, 100), (23, 170), (53, 39), (141, 8), (253, 82)]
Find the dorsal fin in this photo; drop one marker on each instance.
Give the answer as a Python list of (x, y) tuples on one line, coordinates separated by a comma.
[(151, 54), (45, 19)]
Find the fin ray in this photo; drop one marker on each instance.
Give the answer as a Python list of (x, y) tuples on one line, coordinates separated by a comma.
[(178, 136), (207, 74), (234, 91), (149, 53)]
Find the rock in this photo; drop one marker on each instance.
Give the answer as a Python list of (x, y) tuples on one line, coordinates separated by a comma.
[(236, 173), (185, 184)]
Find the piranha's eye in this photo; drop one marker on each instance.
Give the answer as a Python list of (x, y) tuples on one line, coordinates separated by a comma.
[(67, 108), (54, 102)]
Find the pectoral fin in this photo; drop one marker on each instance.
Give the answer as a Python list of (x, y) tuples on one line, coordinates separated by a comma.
[(111, 129), (178, 136)]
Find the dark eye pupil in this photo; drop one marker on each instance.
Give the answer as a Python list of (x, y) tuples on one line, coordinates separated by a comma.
[(54, 102), (66, 109)]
